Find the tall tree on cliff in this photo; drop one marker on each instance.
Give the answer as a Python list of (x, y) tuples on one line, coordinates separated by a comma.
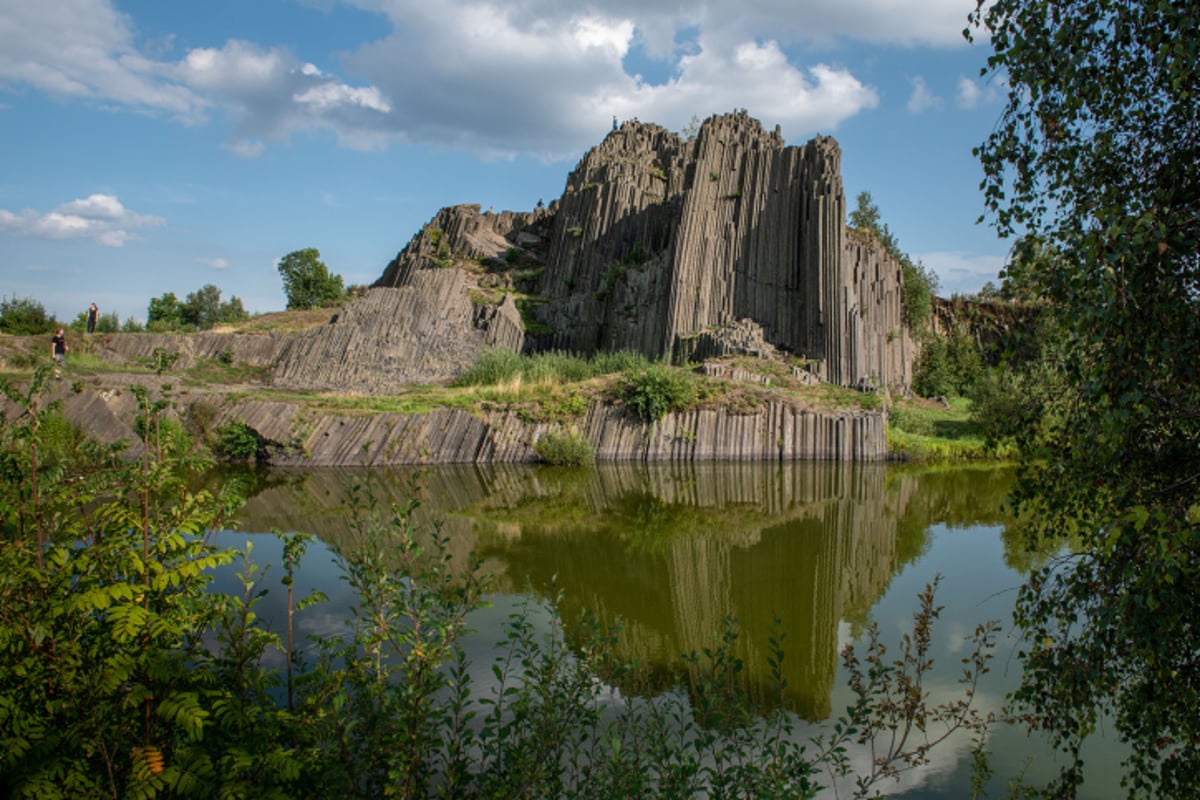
[(1096, 153), (307, 282)]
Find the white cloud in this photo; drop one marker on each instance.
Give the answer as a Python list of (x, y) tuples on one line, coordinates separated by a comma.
[(84, 49), (537, 77), (215, 263), (100, 217), (922, 97), (961, 272), (969, 93), (330, 95)]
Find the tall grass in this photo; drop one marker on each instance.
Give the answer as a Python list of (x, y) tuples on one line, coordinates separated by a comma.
[(497, 366)]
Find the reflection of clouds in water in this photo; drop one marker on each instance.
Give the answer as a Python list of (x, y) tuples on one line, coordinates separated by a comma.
[(845, 635), (958, 637)]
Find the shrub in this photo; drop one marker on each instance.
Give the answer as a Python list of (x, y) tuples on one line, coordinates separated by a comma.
[(950, 366), (654, 390), (236, 441), (200, 416), (24, 317), (911, 421), (565, 449), (166, 435)]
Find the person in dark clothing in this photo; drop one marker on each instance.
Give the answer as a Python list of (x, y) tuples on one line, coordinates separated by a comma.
[(92, 314), (58, 349)]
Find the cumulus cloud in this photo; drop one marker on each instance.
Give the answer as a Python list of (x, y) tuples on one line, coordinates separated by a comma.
[(100, 217), (971, 94), (922, 97), (968, 93), (84, 49), (537, 77), (215, 263)]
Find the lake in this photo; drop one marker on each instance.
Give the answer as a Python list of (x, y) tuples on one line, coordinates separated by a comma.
[(670, 550)]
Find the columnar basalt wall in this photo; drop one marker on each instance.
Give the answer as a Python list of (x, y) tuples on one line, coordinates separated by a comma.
[(777, 432), (425, 331), (658, 239)]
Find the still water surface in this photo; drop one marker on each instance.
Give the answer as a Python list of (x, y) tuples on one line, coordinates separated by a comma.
[(671, 550)]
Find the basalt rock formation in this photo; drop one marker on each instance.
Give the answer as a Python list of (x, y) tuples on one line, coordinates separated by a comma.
[(726, 243), (673, 247)]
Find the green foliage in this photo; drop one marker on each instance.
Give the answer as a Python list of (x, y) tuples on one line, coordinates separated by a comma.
[(654, 390), (916, 296), (495, 365), (100, 620), (165, 434), (498, 366), (1031, 257), (619, 361), (161, 360), (1095, 155), (923, 432), (24, 317), (201, 310), (1025, 402), (307, 282), (108, 322), (564, 449), (237, 441), (912, 421), (164, 313), (949, 366)]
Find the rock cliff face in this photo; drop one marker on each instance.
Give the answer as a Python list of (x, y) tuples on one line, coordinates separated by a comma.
[(294, 436), (658, 241), (425, 331)]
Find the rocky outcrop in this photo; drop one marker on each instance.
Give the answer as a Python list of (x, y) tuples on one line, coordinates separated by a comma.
[(660, 244), (1002, 330), (295, 436), (428, 330)]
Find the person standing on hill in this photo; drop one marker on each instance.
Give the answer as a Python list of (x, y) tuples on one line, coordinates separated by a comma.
[(92, 314), (58, 349)]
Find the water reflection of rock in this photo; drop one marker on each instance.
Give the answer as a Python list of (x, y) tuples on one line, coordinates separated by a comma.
[(672, 549)]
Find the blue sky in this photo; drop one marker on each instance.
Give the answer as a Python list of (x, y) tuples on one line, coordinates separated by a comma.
[(155, 146)]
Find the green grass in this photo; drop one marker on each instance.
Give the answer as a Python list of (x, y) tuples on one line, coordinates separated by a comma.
[(89, 364), (214, 371), (924, 431)]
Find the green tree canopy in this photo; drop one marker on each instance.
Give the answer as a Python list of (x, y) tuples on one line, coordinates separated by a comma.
[(24, 317), (164, 312), (201, 310), (307, 282), (1096, 155)]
